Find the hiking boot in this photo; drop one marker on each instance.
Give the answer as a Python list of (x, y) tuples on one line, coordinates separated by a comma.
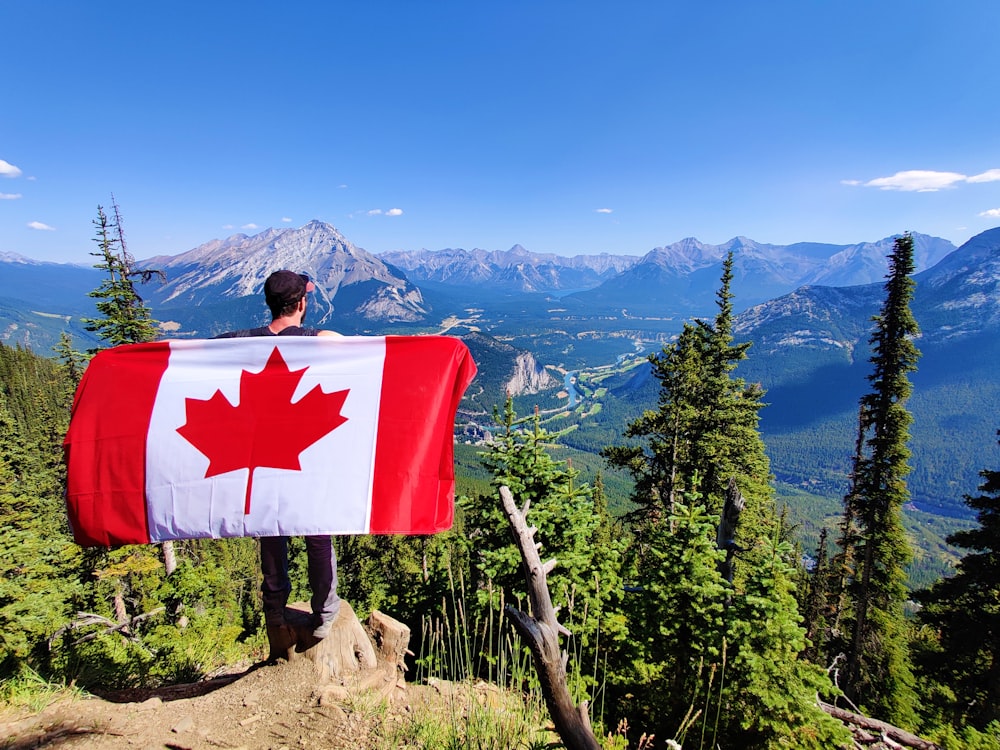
[(322, 630), (280, 639)]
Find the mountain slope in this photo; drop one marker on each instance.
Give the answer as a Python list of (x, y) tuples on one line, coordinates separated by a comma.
[(350, 283), (683, 277), (810, 351), (514, 270)]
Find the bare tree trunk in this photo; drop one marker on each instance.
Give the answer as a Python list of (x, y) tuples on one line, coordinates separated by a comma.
[(169, 557), (726, 537), (541, 630), (121, 612)]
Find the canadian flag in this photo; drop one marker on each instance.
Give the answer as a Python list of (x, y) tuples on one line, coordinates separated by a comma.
[(265, 436)]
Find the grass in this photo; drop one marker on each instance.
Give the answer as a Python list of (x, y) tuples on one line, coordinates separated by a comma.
[(29, 691)]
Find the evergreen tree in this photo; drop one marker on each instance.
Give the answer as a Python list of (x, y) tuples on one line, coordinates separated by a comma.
[(573, 529), (769, 689), (706, 421), (170, 617), (706, 426), (720, 664), (874, 548), (124, 319), (678, 608), (964, 611), (717, 657)]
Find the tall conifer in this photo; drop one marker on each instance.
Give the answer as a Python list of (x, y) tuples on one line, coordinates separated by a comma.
[(706, 423), (124, 318), (874, 548)]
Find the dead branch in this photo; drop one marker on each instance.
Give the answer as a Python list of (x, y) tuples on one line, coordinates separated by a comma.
[(888, 731), (86, 619), (541, 631)]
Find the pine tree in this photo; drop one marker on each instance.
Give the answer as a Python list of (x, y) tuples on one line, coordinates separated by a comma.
[(719, 663), (126, 576), (769, 689), (726, 652), (964, 611), (572, 527), (874, 548), (706, 425), (124, 319)]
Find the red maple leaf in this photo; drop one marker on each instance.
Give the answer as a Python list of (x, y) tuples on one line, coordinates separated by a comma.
[(266, 429)]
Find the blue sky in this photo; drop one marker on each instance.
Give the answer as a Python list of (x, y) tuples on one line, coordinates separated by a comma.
[(567, 127)]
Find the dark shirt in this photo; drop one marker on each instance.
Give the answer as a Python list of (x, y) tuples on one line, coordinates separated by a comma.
[(265, 331)]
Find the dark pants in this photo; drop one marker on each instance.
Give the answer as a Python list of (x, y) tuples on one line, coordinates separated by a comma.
[(322, 577)]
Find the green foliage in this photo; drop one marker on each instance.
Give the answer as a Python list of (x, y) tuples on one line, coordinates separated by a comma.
[(705, 426), (573, 526), (963, 613), (38, 560), (172, 628), (723, 665), (679, 606), (770, 690)]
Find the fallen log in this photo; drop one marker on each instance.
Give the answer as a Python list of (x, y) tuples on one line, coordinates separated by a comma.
[(895, 734)]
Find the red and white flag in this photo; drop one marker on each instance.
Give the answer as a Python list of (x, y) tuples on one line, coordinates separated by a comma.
[(266, 436)]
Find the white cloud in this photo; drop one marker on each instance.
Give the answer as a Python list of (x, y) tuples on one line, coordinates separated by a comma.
[(603, 210), (9, 170), (925, 180), (342, 187), (993, 213), (228, 226), (990, 175), (394, 212), (286, 220), (375, 212), (917, 180), (9, 196), (249, 226), (41, 226)]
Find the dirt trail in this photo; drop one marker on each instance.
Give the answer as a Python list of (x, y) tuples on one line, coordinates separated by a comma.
[(266, 707)]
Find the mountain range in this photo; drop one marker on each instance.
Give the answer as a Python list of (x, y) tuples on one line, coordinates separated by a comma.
[(534, 319), (216, 286)]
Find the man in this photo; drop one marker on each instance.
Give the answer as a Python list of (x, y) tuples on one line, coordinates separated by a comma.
[(285, 294)]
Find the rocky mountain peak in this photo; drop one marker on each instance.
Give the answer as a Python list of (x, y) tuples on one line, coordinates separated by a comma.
[(238, 266)]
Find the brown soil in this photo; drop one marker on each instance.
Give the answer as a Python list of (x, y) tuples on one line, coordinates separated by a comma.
[(264, 707)]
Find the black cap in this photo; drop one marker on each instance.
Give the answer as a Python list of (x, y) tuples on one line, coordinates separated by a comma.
[(284, 288)]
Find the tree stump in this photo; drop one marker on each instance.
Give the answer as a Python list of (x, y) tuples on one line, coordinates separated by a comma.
[(346, 651), (353, 658)]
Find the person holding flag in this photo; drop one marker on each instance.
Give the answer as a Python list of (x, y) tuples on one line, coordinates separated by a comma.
[(285, 293), (291, 432)]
